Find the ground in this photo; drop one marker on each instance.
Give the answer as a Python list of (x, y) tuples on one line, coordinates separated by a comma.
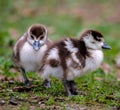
[(99, 90)]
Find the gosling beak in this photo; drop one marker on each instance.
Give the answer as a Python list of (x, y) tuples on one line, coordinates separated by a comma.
[(36, 45), (106, 46)]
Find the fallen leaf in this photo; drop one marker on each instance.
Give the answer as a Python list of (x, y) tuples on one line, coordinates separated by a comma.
[(42, 106), (75, 107), (13, 101), (3, 78), (60, 99), (110, 97), (35, 97), (11, 81), (2, 102), (13, 70), (22, 88), (98, 78), (116, 108), (32, 107)]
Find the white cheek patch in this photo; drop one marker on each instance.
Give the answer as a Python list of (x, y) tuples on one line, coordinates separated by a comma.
[(42, 42), (53, 54), (70, 46), (99, 45), (89, 43)]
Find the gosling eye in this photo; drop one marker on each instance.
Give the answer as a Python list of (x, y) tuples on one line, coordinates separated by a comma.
[(32, 36), (41, 37), (99, 40), (93, 42)]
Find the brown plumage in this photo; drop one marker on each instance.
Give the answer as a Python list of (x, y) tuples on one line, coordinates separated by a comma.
[(70, 58)]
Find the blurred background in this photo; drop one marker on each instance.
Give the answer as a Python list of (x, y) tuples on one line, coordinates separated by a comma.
[(62, 18)]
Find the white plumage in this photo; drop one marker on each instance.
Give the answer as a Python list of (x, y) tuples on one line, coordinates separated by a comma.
[(30, 49)]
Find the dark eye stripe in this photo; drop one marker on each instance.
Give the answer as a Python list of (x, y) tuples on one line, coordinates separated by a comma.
[(97, 36), (98, 39)]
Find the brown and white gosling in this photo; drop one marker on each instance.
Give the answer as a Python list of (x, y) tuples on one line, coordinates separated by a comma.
[(70, 58), (30, 48)]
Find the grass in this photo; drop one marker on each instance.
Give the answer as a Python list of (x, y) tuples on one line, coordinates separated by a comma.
[(97, 90)]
